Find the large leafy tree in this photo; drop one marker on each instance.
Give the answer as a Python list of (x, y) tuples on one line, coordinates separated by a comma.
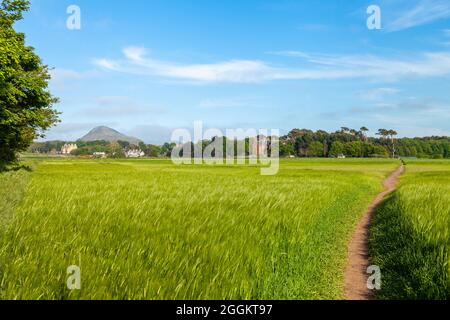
[(26, 105)]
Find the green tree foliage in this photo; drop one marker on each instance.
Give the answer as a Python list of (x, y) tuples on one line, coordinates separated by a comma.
[(356, 143), (25, 102), (316, 149), (337, 149), (166, 149), (303, 143), (286, 148)]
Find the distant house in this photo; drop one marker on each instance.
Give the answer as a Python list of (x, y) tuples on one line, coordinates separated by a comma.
[(68, 148), (134, 153), (99, 154)]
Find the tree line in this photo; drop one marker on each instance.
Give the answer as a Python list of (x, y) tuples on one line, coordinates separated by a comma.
[(115, 149), (303, 143), (356, 143)]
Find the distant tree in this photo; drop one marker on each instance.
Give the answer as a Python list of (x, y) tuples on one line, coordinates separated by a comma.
[(303, 141), (379, 152), (286, 147), (114, 148), (345, 130), (392, 134), (25, 103), (153, 151), (353, 149), (337, 149), (124, 144), (388, 136), (364, 131), (142, 146), (316, 149), (84, 151), (383, 133), (294, 134), (166, 149)]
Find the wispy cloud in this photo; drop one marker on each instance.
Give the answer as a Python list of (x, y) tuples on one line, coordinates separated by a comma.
[(377, 94), (419, 108), (69, 131), (113, 106), (237, 102), (423, 12), (61, 77), (317, 67), (151, 133), (291, 53), (107, 64)]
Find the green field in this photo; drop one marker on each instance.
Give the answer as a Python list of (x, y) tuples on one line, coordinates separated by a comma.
[(411, 234), (146, 229)]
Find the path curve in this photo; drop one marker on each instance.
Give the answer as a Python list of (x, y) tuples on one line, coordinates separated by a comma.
[(358, 250)]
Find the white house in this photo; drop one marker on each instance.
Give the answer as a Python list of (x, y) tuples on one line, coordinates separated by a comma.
[(99, 154), (134, 154), (68, 148)]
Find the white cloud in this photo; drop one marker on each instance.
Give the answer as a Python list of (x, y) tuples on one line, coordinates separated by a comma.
[(62, 77), (378, 93), (252, 71), (408, 131), (58, 76), (291, 53), (112, 106), (68, 131), (151, 133), (107, 64), (135, 54), (425, 11), (228, 71), (237, 102)]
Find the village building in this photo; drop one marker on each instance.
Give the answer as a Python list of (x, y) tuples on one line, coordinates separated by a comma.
[(134, 153), (68, 148), (99, 154)]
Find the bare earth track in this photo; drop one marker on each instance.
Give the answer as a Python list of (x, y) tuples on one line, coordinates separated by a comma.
[(358, 251)]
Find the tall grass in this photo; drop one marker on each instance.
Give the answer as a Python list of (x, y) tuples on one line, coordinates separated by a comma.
[(12, 191), (151, 230), (410, 238)]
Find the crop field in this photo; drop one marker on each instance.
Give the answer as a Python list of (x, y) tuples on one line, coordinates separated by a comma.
[(411, 234), (147, 229)]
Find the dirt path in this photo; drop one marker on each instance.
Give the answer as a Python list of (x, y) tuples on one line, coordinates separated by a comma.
[(358, 253)]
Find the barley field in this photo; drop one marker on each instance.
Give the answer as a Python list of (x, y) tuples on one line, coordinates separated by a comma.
[(147, 229), (410, 238)]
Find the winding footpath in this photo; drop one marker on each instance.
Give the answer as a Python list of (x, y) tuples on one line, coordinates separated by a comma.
[(358, 250)]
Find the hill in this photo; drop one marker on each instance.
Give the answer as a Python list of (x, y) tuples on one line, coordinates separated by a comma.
[(108, 134)]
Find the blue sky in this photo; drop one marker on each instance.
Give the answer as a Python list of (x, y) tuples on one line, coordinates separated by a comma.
[(148, 67)]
